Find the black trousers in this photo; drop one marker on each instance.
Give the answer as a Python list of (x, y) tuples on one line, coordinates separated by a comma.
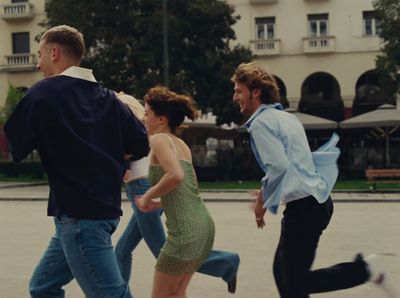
[(301, 227)]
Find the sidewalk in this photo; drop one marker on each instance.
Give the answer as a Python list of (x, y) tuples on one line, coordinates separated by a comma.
[(39, 191), (355, 227)]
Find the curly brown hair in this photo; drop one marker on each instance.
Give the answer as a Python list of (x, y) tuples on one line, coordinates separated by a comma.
[(175, 107), (255, 77)]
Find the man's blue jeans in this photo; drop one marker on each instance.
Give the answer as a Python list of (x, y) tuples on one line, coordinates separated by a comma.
[(149, 227), (80, 249)]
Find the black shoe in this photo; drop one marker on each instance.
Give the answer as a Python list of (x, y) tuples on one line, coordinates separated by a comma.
[(359, 258), (232, 284)]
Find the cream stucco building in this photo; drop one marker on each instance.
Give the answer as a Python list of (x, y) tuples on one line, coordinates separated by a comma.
[(322, 51), (19, 25)]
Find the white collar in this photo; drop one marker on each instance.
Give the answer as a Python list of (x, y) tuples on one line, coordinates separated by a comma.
[(79, 73)]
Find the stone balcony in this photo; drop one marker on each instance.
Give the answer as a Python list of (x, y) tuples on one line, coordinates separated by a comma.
[(315, 45), (265, 47), (19, 62), (17, 11)]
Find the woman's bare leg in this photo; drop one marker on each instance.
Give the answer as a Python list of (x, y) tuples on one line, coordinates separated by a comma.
[(170, 286)]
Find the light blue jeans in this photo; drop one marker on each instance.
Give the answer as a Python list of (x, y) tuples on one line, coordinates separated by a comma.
[(148, 226), (80, 249)]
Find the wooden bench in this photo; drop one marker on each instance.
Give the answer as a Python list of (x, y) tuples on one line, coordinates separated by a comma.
[(374, 175)]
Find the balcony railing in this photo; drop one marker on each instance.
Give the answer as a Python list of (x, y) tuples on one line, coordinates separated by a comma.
[(263, 1), (319, 44), (17, 11), (19, 62), (265, 47)]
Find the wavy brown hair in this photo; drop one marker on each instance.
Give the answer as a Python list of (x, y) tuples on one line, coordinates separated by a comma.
[(255, 77), (175, 107)]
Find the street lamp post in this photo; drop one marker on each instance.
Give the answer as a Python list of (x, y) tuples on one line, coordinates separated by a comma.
[(165, 44)]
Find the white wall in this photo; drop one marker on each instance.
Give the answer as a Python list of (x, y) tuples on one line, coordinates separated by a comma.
[(354, 54)]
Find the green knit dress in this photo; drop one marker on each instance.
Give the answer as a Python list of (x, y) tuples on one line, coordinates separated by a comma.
[(190, 227)]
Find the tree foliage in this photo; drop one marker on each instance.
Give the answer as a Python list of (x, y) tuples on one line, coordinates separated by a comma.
[(14, 95), (388, 63), (124, 42)]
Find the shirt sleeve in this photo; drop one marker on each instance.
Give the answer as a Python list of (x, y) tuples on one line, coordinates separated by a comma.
[(136, 142), (24, 125), (272, 155)]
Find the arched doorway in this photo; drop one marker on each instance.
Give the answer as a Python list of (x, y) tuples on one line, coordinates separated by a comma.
[(369, 94), (282, 92), (320, 96)]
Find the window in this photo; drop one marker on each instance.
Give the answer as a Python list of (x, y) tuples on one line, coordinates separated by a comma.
[(317, 25), (265, 28), (20, 43), (371, 24), (18, 1)]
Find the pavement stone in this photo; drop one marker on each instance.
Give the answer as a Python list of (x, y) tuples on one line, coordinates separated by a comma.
[(355, 227), (361, 224)]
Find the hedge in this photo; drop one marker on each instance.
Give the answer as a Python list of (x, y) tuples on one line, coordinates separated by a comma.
[(31, 169)]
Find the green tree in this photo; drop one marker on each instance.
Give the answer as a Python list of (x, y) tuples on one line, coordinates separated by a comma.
[(389, 62), (124, 42), (14, 95)]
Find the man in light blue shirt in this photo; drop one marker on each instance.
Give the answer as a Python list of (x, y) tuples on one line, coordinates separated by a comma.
[(298, 178)]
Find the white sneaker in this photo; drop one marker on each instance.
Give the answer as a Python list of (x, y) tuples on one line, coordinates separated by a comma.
[(379, 276)]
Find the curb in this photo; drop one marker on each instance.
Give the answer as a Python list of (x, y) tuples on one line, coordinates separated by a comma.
[(219, 200), (358, 191), (23, 185), (212, 190)]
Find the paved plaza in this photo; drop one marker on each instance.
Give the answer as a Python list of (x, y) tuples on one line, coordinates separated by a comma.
[(366, 226)]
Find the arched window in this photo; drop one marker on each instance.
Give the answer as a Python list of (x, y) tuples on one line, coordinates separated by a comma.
[(320, 96), (282, 92), (369, 94)]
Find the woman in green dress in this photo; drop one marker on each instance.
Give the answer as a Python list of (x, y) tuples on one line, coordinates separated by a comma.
[(171, 173)]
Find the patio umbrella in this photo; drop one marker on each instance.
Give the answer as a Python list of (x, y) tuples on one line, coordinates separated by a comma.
[(313, 122), (386, 119), (208, 120)]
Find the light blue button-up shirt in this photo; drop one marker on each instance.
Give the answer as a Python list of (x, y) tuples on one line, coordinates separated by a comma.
[(291, 170)]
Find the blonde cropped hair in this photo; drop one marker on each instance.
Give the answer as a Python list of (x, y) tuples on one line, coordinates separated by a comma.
[(133, 104), (255, 77), (69, 38)]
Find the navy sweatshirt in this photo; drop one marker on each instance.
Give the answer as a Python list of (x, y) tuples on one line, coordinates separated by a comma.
[(81, 132)]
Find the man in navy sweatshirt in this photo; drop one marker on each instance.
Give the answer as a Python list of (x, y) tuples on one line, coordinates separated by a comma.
[(83, 134)]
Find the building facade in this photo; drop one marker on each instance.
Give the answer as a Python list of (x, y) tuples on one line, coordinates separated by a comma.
[(19, 25), (322, 52)]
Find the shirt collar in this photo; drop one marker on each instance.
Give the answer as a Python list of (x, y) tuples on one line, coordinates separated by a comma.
[(79, 73), (261, 108)]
